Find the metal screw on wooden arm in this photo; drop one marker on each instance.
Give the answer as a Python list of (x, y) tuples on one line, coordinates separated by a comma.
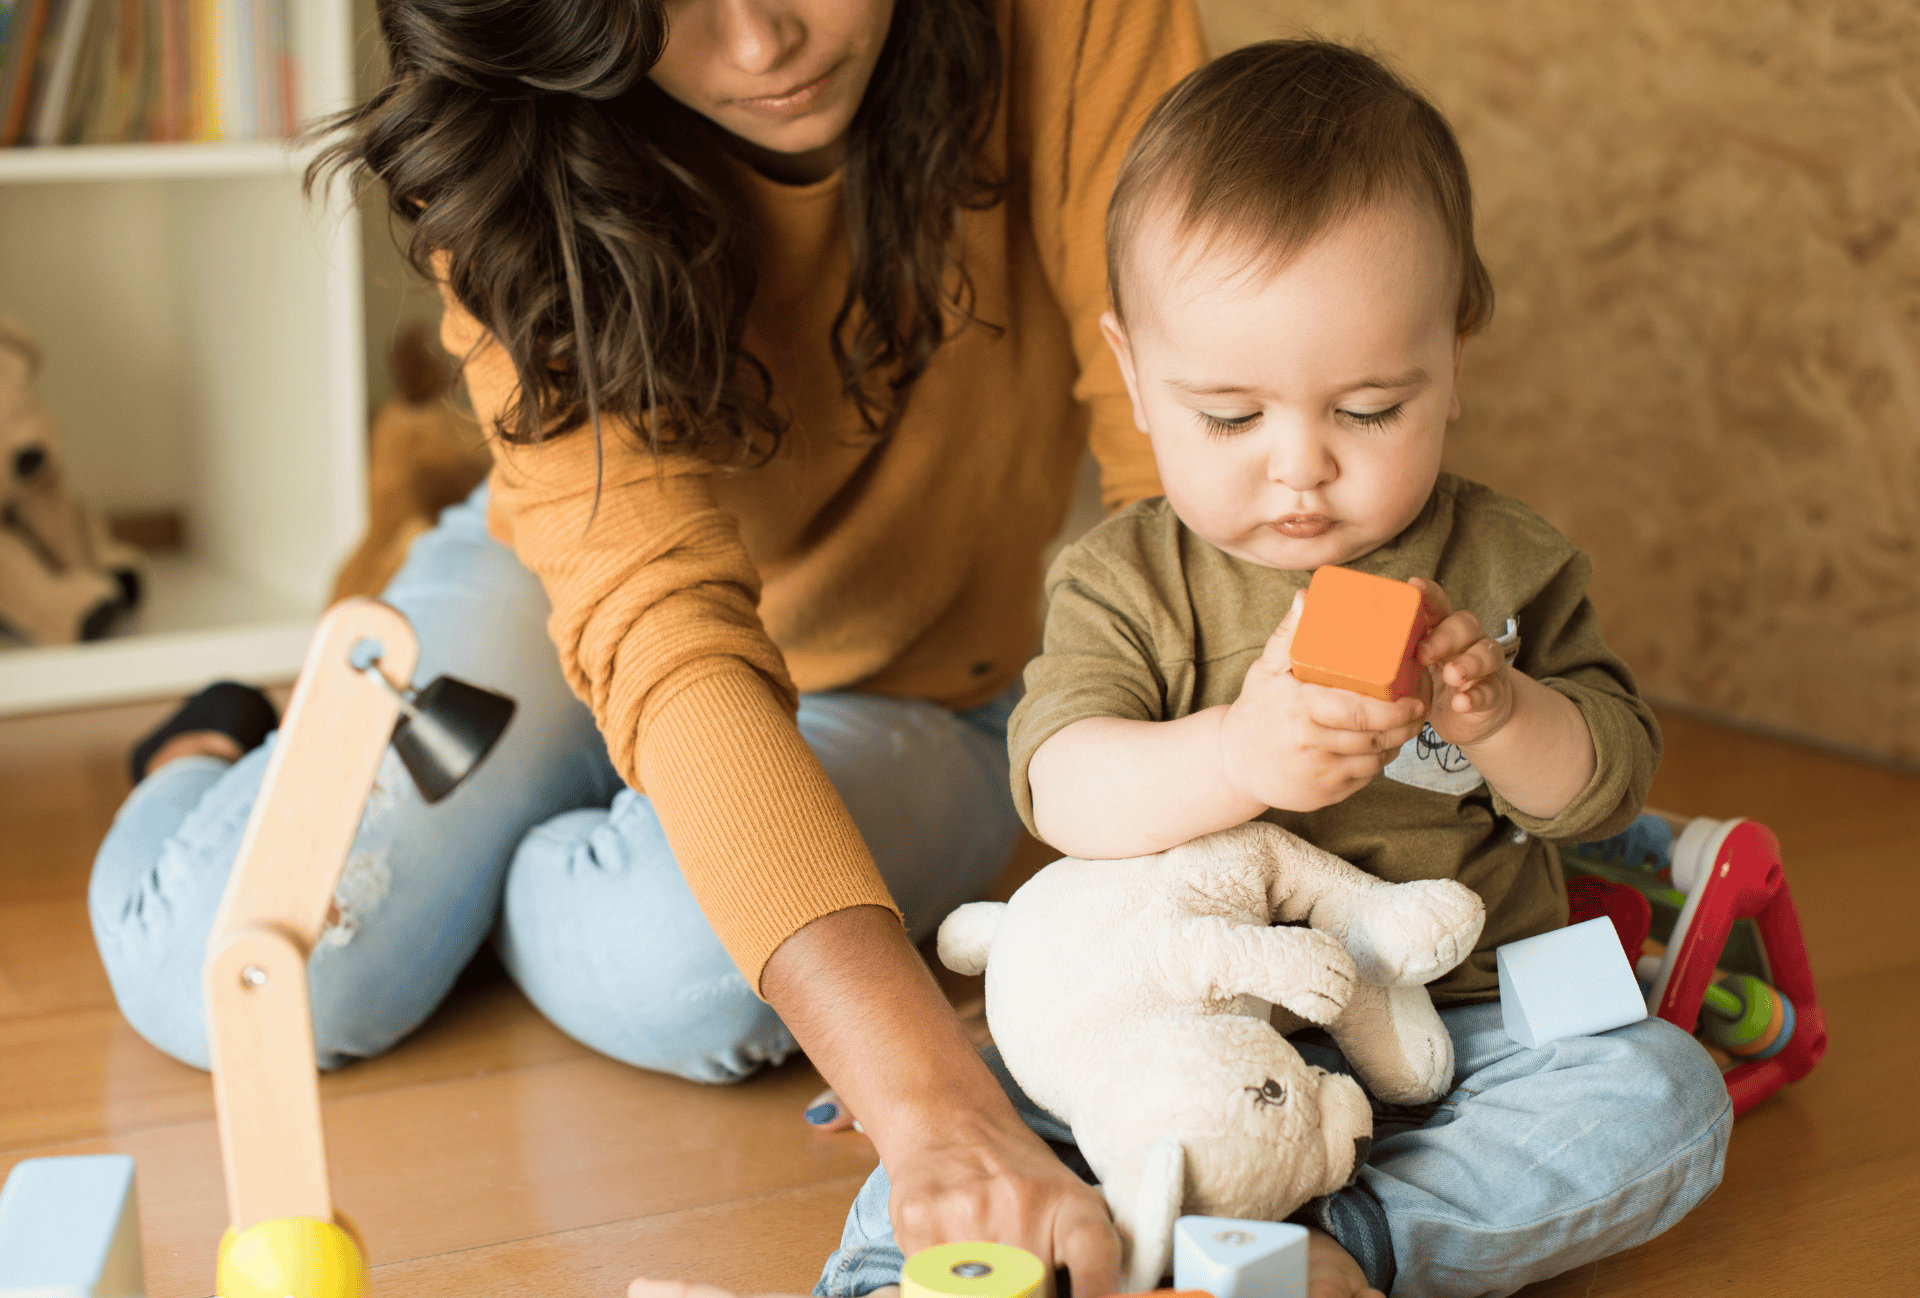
[(259, 1017)]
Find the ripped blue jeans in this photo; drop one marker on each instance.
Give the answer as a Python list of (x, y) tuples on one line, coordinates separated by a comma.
[(1538, 1161), (543, 844)]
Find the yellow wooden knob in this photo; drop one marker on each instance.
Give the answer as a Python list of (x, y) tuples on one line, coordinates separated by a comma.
[(291, 1257), (973, 1270)]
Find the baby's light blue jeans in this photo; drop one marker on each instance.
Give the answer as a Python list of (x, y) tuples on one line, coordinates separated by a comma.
[(543, 841), (1538, 1161)]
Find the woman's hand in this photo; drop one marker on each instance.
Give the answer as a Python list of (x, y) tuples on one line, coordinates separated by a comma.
[(962, 1164), (981, 1182)]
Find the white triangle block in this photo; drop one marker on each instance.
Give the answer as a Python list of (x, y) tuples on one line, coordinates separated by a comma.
[(70, 1228), (1240, 1259), (1572, 982)]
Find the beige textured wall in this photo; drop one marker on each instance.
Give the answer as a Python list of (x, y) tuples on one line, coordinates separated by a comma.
[(1703, 223)]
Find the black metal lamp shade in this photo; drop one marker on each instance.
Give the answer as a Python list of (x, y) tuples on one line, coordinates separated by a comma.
[(445, 731)]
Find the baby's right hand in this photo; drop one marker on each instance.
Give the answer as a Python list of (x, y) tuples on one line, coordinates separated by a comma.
[(1300, 747)]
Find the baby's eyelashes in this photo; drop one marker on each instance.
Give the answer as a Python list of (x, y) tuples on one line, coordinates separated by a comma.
[(1373, 418), (1222, 425)]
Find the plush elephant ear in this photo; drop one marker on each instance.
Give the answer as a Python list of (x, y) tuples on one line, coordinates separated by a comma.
[(1157, 1199), (15, 336), (966, 934)]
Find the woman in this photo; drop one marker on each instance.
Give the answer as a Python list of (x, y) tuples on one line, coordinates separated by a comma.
[(783, 314)]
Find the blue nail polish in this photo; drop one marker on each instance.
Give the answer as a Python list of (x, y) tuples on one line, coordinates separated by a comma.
[(821, 1114)]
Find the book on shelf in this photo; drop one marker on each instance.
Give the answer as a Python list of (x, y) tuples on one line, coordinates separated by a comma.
[(146, 71)]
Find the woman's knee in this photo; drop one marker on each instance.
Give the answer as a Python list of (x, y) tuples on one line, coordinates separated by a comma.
[(600, 932)]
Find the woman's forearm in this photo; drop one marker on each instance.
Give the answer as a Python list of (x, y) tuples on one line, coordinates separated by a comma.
[(1106, 788), (962, 1163), (866, 1009)]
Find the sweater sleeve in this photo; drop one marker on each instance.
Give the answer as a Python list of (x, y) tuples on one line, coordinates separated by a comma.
[(655, 616), (1099, 656), (1561, 647), (1084, 77)]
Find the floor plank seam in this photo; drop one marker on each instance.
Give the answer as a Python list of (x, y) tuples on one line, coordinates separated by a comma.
[(853, 1182)]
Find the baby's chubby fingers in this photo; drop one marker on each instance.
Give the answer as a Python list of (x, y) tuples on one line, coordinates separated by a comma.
[(1448, 632), (1278, 653), (1451, 638), (1367, 743), (1433, 600), (1335, 709), (1475, 663)]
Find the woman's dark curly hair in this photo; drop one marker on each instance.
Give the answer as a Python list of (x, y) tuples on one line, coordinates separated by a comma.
[(585, 221)]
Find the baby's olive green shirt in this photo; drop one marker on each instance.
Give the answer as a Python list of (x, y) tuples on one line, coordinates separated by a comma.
[(1148, 622)]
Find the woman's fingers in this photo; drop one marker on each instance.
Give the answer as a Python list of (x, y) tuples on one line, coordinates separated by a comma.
[(825, 1112), (1088, 1247)]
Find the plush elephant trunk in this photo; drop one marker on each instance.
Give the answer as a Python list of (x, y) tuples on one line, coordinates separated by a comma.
[(1346, 1120), (1362, 1146)]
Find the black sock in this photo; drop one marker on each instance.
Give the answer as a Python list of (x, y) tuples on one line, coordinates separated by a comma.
[(1357, 1219), (240, 712)]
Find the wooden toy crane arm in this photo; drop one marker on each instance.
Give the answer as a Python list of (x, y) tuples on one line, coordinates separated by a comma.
[(259, 1018)]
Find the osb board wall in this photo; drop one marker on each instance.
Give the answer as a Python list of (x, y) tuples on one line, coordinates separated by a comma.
[(1703, 224)]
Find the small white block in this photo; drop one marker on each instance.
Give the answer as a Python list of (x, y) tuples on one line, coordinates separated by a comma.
[(1240, 1259), (1572, 982), (70, 1228)]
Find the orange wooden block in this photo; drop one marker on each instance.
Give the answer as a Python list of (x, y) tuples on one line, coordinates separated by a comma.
[(1359, 632)]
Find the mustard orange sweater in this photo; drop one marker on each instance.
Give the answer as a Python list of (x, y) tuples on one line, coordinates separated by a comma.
[(699, 602)]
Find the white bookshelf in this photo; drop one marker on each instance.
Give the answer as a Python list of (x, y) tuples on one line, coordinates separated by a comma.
[(204, 331)]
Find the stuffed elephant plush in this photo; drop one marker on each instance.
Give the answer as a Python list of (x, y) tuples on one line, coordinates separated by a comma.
[(1143, 1003)]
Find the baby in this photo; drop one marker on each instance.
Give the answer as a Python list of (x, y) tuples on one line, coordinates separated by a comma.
[(1293, 276)]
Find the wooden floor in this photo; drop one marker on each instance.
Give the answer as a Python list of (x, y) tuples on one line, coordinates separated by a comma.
[(491, 1155)]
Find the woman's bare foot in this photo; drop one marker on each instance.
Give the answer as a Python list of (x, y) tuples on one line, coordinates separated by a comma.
[(196, 743), (1331, 1270)]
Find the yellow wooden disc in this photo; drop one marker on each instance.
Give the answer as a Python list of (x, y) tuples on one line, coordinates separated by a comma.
[(971, 1271), (290, 1257)]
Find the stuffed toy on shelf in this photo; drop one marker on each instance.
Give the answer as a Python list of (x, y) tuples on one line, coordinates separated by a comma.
[(424, 453), (63, 578)]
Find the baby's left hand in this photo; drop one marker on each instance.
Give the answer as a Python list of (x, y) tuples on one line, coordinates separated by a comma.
[(1471, 679)]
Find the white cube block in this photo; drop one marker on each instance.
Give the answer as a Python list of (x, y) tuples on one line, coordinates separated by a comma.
[(1572, 982), (70, 1228), (1240, 1259)]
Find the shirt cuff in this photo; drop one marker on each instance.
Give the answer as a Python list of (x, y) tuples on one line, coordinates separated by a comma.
[(761, 835)]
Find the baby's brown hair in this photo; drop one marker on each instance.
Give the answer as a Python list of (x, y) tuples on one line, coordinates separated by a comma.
[(1269, 145)]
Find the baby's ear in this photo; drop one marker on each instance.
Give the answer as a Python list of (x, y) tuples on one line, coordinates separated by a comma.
[(1115, 332)]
